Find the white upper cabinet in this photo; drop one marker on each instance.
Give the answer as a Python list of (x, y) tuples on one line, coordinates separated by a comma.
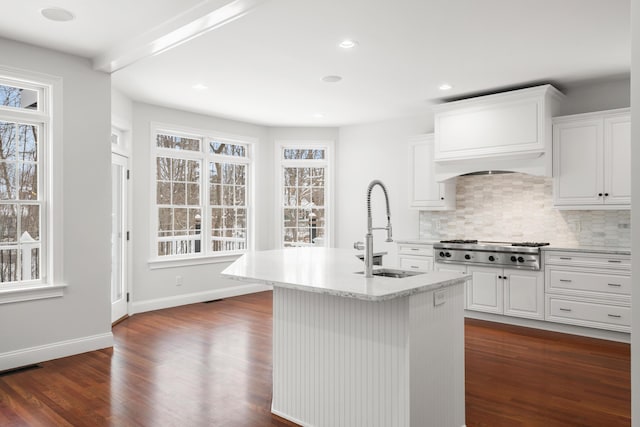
[(514, 124), (424, 192), (591, 161)]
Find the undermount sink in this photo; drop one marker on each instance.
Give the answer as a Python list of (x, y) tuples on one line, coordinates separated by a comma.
[(390, 272)]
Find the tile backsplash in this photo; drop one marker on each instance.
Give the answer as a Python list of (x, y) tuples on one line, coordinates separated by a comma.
[(519, 207)]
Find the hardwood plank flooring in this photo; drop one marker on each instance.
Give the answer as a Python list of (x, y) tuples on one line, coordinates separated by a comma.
[(209, 364)]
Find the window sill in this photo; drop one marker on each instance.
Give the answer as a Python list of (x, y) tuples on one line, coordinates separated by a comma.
[(158, 263), (30, 293)]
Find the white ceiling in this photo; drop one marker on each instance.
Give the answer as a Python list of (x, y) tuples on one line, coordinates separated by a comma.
[(263, 60)]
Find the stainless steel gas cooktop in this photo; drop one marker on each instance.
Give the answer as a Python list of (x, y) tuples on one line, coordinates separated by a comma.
[(521, 255)]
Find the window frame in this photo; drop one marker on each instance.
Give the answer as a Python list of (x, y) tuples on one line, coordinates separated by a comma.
[(328, 163), (206, 256), (48, 117)]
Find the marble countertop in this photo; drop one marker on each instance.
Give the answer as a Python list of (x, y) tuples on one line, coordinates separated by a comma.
[(586, 248), (331, 271), (569, 247)]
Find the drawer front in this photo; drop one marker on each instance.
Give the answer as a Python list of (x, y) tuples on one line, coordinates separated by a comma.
[(584, 281), (581, 259), (415, 250), (589, 313), (417, 263)]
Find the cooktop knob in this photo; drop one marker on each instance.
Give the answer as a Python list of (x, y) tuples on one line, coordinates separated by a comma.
[(514, 259), (467, 256), (448, 254), (492, 258), (520, 259), (441, 254)]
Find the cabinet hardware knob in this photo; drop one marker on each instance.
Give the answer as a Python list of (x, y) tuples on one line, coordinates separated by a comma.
[(564, 309), (599, 194), (441, 198), (606, 194), (615, 316), (566, 280), (617, 261), (617, 285)]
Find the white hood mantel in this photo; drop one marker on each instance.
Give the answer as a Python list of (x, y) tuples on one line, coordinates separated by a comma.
[(509, 131)]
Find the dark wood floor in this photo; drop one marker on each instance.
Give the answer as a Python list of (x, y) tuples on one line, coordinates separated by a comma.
[(209, 364)]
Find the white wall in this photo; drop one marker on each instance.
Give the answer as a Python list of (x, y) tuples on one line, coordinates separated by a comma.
[(596, 95), (80, 320), (156, 288), (635, 211), (376, 151), (121, 110)]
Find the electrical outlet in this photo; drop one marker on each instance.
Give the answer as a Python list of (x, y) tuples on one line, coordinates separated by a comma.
[(574, 225), (178, 280)]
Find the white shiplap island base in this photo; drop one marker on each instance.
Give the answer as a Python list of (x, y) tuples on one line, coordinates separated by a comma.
[(351, 351)]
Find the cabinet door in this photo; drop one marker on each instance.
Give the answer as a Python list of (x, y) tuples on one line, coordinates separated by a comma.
[(485, 290), (578, 149), (425, 192), (524, 293), (617, 160)]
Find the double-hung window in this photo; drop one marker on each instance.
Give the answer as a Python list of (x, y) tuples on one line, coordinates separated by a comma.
[(202, 194), (26, 198), (305, 196)]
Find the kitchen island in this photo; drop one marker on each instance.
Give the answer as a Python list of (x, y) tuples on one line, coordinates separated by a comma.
[(356, 351)]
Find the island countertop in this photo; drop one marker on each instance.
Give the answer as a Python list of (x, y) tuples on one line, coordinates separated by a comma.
[(331, 271)]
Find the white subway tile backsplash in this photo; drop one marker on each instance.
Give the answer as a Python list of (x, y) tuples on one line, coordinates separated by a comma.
[(519, 207)]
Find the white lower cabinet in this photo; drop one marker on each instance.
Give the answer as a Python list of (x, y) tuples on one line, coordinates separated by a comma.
[(510, 292), (453, 268), (415, 256), (588, 289)]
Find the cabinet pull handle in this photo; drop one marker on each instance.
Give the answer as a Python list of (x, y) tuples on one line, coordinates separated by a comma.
[(617, 261), (565, 309), (415, 266), (615, 316), (566, 280), (617, 285), (415, 249), (566, 258)]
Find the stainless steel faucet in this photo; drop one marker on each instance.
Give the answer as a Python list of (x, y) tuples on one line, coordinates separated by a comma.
[(368, 245)]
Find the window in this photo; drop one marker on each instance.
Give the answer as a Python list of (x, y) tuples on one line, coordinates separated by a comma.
[(26, 185), (201, 189), (304, 194)]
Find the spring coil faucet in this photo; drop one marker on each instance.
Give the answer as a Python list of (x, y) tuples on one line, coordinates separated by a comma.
[(368, 245)]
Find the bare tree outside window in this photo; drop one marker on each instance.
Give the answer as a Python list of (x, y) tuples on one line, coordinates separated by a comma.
[(184, 217), (20, 204)]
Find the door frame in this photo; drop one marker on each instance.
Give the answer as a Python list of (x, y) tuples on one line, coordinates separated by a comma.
[(120, 154)]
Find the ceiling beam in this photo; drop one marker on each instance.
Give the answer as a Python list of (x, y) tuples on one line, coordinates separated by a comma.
[(192, 23)]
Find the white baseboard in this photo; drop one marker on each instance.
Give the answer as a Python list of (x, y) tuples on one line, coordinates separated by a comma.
[(175, 301), (32, 355), (551, 326)]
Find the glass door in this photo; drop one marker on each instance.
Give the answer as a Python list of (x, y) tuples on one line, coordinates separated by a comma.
[(119, 288)]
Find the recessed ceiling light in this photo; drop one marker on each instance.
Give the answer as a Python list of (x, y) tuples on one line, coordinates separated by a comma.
[(348, 44), (445, 86), (331, 79), (57, 14), (200, 86)]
